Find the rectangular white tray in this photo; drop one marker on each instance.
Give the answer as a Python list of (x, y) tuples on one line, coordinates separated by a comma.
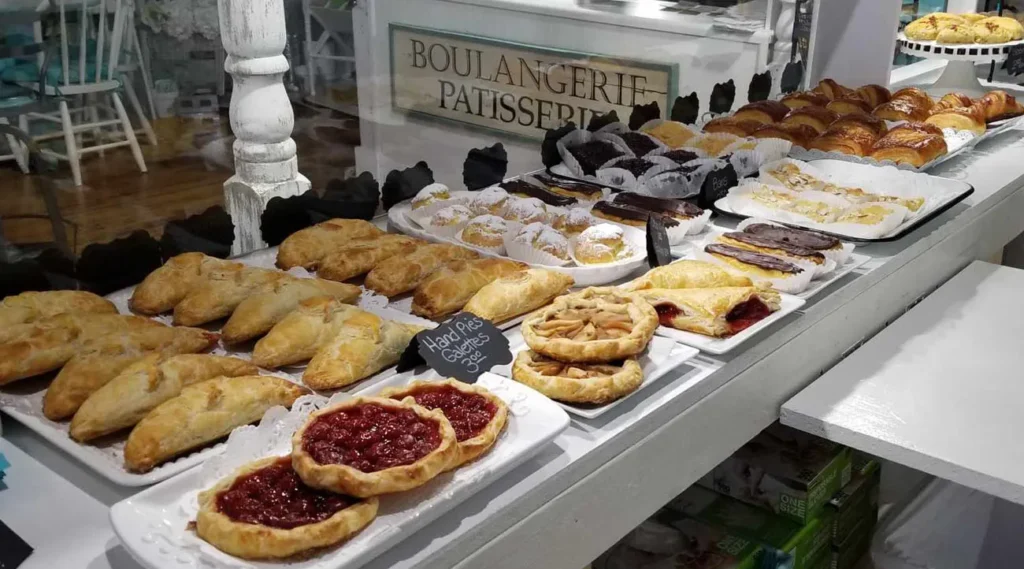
[(820, 284), (152, 525), (720, 346), (670, 356)]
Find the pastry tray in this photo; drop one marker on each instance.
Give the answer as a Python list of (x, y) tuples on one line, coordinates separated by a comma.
[(662, 356), (720, 346), (153, 524), (956, 52), (820, 284)]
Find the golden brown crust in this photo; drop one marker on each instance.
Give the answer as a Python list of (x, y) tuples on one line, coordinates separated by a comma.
[(952, 101), (363, 345), (832, 90), (165, 287), (869, 123), (765, 112), (704, 310), (960, 118), (818, 118), (849, 105), (361, 256), (688, 274), (449, 288), (305, 248), (731, 125), (912, 144), (222, 290), (874, 94), (577, 383), (518, 294), (253, 541), (259, 312), (797, 134), (999, 104), (347, 480), (401, 274), (847, 140), (800, 99), (32, 306), (301, 334), (916, 94), (469, 449), (902, 109)]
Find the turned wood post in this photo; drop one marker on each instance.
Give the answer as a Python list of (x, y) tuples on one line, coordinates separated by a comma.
[(253, 34)]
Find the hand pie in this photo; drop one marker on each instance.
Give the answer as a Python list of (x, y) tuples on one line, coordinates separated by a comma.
[(401, 274), (165, 287), (714, 312), (517, 294), (144, 385), (450, 287), (306, 247), (265, 511), (595, 384), (476, 414), (688, 274), (595, 325), (33, 306), (409, 445), (222, 291), (363, 345), (258, 313), (47, 344), (203, 413), (361, 256), (298, 336), (101, 359)]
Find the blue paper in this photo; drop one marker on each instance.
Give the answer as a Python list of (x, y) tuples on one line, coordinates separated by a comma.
[(3, 464)]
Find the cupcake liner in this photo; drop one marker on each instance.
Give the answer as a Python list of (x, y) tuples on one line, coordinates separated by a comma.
[(724, 139), (793, 284), (421, 216), (697, 224), (661, 151), (840, 255), (626, 180), (528, 254), (578, 137), (656, 122), (447, 231), (635, 239), (679, 185), (496, 250), (658, 145)]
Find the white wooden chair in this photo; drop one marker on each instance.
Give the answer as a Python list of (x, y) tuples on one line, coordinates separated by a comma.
[(107, 21)]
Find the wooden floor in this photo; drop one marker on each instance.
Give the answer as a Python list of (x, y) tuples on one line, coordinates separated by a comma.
[(187, 170)]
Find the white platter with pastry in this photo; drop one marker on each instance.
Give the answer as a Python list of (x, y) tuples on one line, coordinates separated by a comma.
[(154, 525)]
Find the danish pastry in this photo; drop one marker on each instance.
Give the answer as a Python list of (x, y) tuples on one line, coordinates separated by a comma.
[(818, 118), (716, 312), (960, 118), (732, 125), (765, 112), (801, 99)]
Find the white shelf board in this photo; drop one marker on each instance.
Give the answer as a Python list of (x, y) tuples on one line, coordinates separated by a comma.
[(938, 390)]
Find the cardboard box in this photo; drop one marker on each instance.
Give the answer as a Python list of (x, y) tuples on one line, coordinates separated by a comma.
[(710, 547), (857, 501), (803, 542), (784, 471)]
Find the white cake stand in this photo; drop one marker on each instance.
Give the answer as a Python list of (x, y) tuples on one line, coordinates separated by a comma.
[(960, 75)]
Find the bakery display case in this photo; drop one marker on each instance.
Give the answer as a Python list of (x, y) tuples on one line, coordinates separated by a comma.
[(527, 322)]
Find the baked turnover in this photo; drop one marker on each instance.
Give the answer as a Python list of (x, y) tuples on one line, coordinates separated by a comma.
[(714, 312), (688, 274), (476, 414), (32, 306), (577, 382), (265, 511), (372, 445)]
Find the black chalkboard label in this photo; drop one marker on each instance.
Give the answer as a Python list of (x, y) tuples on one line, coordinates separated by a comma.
[(659, 250), (464, 347), (717, 185), (13, 550), (1015, 60)]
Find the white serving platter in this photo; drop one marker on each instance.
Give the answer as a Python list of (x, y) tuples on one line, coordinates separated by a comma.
[(819, 284), (720, 346), (662, 356), (153, 524)]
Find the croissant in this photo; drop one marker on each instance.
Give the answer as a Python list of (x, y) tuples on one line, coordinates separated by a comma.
[(800, 99), (914, 146), (798, 134), (849, 105), (32, 306), (832, 90), (999, 105), (361, 256), (818, 118), (305, 248), (952, 101), (867, 123), (258, 313), (731, 125), (923, 128), (165, 287), (846, 140), (916, 94), (765, 112), (874, 94), (960, 118)]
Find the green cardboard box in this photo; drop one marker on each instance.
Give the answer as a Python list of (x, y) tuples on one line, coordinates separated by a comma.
[(858, 500), (783, 470), (854, 547), (803, 542), (710, 547)]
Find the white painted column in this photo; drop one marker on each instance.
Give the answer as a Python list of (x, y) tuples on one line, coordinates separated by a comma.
[(253, 34), (783, 46)]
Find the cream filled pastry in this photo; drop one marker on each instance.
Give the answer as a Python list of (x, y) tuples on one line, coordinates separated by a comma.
[(602, 243), (431, 194)]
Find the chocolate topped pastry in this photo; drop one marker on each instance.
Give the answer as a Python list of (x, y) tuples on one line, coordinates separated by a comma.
[(639, 143), (681, 156), (764, 242), (673, 208), (761, 260), (529, 190), (626, 214), (798, 237), (635, 166), (571, 188), (594, 154)]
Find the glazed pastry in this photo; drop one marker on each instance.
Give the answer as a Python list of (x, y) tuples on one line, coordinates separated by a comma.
[(402, 274), (902, 109), (258, 313), (594, 154), (910, 144), (222, 291), (301, 334), (487, 231), (144, 385), (363, 345), (306, 247), (713, 143), (996, 29), (359, 257), (570, 188), (641, 144), (673, 134), (769, 246), (525, 211), (595, 325), (596, 384), (573, 221), (915, 94), (518, 294), (752, 263), (525, 189), (797, 134), (431, 194), (415, 444), (801, 99), (792, 177), (477, 415), (202, 414), (849, 105), (874, 94), (165, 287), (544, 239), (867, 123), (956, 34), (800, 237), (998, 105), (732, 125), (265, 511), (489, 201), (626, 214), (450, 288), (846, 140), (688, 274), (765, 112), (716, 312), (677, 209), (832, 90), (101, 359), (47, 344), (33, 306), (952, 101), (960, 118), (603, 243), (818, 118)]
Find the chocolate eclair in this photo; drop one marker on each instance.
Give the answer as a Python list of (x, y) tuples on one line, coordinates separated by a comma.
[(626, 214), (594, 154), (639, 143), (571, 188), (751, 262), (523, 188), (769, 246), (665, 206), (798, 237)]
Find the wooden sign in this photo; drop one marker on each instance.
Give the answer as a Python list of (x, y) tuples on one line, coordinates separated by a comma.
[(515, 88)]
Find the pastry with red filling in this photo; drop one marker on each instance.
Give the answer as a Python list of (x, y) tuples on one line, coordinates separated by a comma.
[(717, 312), (476, 414), (265, 511), (368, 446)]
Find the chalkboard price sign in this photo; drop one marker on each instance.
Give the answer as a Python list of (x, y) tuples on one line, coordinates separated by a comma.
[(717, 185), (659, 251), (464, 347), (1015, 60)]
